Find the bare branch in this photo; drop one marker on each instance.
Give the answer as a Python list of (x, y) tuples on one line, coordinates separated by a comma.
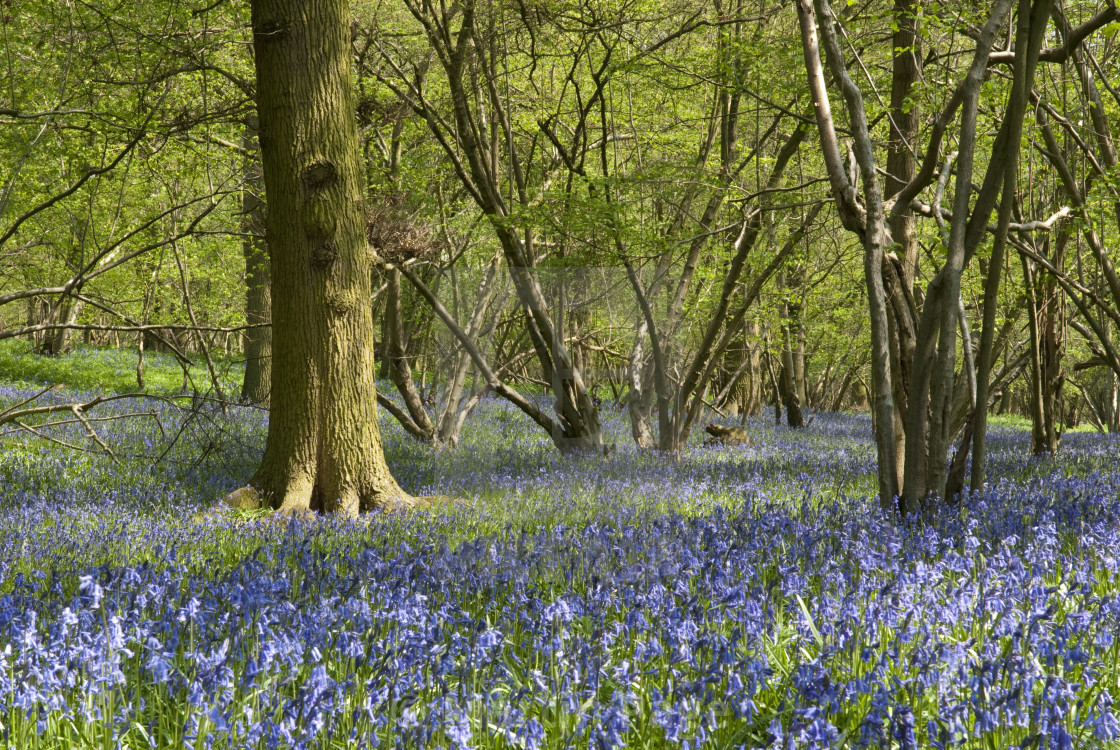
[(1072, 41)]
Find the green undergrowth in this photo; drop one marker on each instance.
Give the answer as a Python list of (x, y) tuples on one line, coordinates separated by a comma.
[(110, 370)]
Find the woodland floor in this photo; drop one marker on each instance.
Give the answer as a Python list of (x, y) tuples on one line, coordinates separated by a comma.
[(748, 596)]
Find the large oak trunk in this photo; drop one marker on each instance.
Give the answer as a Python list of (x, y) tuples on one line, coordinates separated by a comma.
[(324, 449)]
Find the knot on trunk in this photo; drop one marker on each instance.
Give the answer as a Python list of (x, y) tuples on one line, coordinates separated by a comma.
[(338, 303), (320, 175), (323, 255)]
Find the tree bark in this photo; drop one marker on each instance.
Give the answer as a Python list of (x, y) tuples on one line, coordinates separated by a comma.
[(790, 398), (639, 404), (324, 450), (1047, 325), (58, 343), (901, 269), (932, 388)]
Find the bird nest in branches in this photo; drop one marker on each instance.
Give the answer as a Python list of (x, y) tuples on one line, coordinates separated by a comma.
[(397, 235)]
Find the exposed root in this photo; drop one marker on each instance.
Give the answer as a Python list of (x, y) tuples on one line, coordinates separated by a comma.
[(248, 499), (389, 502)]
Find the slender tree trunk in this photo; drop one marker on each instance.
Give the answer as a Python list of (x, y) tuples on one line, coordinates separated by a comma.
[(867, 220), (324, 449), (1044, 308), (776, 388), (1030, 29), (750, 385), (400, 371), (639, 404), (1052, 351), (1037, 400), (905, 122), (787, 377), (788, 386), (901, 270), (140, 363), (258, 302)]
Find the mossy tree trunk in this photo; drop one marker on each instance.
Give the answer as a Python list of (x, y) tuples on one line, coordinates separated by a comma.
[(324, 450)]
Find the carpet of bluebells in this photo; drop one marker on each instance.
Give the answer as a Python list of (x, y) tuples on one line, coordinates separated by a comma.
[(734, 597)]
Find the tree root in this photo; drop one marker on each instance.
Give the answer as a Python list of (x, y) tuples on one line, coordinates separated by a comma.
[(249, 498)]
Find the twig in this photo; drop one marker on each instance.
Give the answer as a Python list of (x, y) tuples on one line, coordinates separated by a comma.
[(29, 400), (90, 432), (51, 439)]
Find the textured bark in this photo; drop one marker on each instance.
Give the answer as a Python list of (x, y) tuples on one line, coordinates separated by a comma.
[(324, 450), (258, 302)]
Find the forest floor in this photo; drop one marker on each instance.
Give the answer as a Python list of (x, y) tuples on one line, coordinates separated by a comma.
[(746, 596)]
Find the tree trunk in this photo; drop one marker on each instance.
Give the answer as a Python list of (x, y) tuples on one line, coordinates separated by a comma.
[(1046, 316), (639, 403), (1030, 30), (788, 382), (905, 124), (750, 385), (900, 272), (399, 368), (258, 303), (57, 342), (866, 219), (324, 450)]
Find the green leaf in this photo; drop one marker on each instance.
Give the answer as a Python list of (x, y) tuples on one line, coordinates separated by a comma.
[(809, 618)]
